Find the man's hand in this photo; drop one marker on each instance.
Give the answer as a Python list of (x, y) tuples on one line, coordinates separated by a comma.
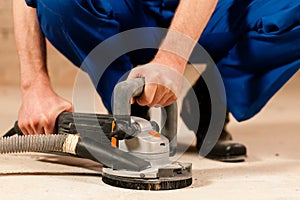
[(40, 104), (39, 110), (163, 75), (162, 84)]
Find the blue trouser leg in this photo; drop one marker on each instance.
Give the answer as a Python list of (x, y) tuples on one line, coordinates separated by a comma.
[(76, 27), (256, 46)]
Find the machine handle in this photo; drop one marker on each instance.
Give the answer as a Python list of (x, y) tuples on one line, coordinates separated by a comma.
[(123, 93)]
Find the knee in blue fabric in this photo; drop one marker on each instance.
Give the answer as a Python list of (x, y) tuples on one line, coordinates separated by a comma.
[(257, 45)]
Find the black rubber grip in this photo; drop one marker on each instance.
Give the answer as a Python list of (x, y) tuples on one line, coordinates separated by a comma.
[(14, 130)]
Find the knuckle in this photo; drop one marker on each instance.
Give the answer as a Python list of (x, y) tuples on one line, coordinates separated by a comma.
[(44, 120), (21, 124), (35, 122), (141, 102)]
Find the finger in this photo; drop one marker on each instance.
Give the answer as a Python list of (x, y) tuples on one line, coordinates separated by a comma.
[(37, 126), (148, 95), (48, 125), (132, 100), (29, 130), (66, 107), (23, 128), (69, 108), (168, 101), (49, 129), (162, 94)]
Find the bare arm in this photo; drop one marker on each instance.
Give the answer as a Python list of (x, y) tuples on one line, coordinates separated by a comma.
[(40, 104), (31, 45), (189, 21), (164, 86)]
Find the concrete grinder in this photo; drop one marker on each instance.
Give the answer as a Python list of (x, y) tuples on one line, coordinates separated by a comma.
[(135, 154)]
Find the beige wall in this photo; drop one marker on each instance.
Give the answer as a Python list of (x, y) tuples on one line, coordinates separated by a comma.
[(61, 71)]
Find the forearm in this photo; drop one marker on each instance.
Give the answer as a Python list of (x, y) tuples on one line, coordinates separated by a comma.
[(40, 104), (30, 43), (190, 20)]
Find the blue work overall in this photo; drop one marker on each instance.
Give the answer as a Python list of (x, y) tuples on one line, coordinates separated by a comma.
[(255, 43)]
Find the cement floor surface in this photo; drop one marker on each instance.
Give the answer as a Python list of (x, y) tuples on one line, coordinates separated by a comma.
[(271, 170)]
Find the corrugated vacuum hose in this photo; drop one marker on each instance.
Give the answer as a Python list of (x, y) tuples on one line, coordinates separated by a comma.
[(32, 143)]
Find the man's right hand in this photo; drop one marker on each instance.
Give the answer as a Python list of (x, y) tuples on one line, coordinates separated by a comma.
[(40, 104), (39, 110)]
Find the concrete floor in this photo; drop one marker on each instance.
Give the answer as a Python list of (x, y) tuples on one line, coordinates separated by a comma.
[(271, 170)]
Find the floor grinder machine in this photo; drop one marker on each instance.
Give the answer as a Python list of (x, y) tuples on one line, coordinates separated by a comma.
[(134, 152)]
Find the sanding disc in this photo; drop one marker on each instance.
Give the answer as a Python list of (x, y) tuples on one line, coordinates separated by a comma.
[(175, 176)]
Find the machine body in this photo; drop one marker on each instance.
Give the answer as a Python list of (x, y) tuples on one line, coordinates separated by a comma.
[(134, 152)]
